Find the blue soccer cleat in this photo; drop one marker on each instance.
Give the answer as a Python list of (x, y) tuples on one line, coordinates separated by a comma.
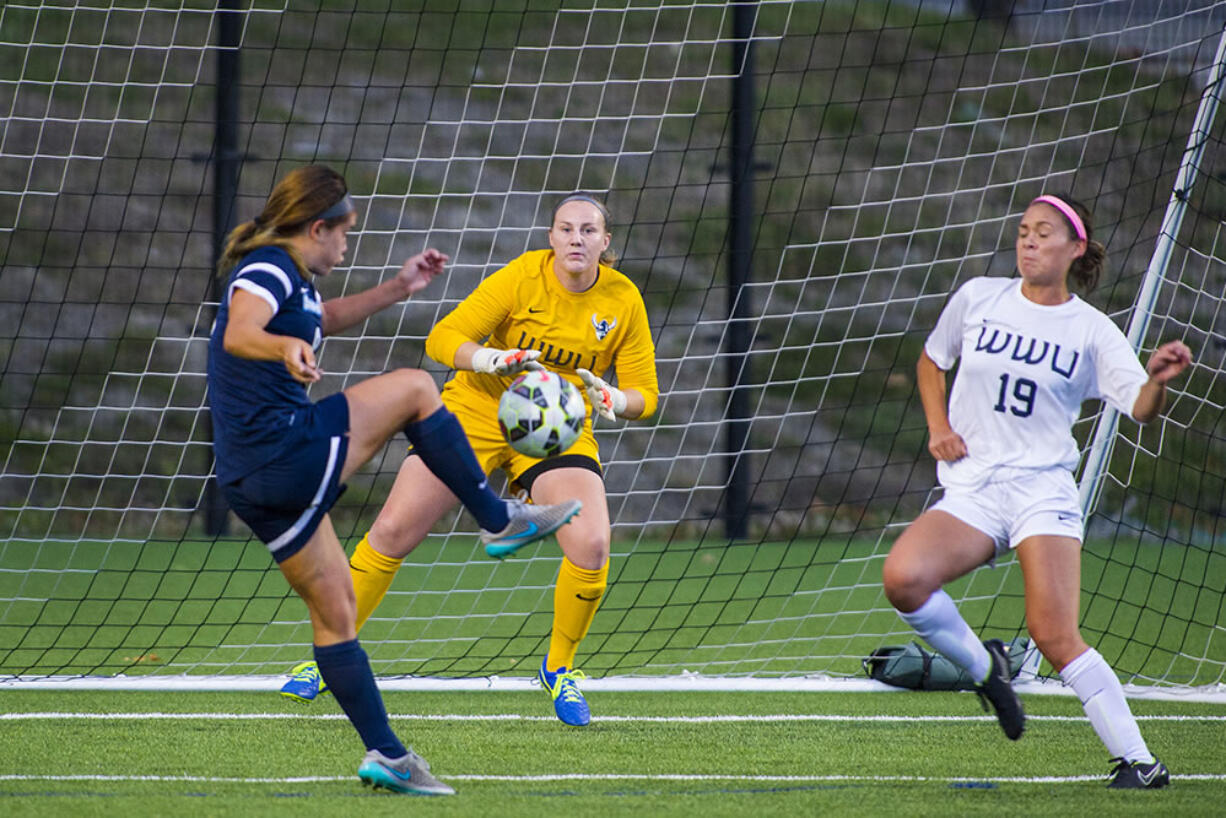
[(568, 702), (305, 683), (528, 524), (408, 774)]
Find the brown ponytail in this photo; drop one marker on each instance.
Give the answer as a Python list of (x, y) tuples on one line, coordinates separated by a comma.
[(297, 200)]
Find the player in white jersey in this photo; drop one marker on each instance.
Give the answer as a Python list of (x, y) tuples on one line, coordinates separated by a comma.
[(1031, 353)]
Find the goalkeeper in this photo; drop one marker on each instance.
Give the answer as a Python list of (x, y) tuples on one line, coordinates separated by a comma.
[(565, 309), (1031, 352), (281, 459)]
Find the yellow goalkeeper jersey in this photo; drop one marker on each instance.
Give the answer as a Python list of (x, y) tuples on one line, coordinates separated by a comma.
[(524, 306)]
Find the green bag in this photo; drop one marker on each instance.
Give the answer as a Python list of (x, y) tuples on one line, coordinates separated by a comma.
[(917, 668)]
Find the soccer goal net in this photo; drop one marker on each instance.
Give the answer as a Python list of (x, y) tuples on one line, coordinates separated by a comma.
[(894, 145)]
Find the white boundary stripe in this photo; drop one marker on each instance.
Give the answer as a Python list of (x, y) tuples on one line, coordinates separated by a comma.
[(686, 682), (454, 717), (765, 779)]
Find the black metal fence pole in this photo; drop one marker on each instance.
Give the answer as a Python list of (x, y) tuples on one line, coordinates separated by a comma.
[(740, 231), (226, 160)]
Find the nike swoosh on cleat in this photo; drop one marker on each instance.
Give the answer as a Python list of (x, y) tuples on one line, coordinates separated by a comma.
[(397, 774), (529, 533)]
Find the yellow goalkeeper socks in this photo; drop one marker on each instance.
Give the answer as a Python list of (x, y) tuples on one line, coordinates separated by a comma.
[(575, 600), (372, 574)]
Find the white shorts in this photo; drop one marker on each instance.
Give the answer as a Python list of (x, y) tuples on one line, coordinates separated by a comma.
[(1009, 511)]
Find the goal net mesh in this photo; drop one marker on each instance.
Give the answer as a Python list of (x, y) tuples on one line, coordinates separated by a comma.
[(895, 146)]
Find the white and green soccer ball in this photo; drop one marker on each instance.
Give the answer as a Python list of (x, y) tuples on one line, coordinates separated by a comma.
[(541, 414)]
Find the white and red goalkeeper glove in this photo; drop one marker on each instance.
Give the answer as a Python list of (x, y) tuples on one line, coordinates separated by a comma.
[(607, 401), (505, 361)]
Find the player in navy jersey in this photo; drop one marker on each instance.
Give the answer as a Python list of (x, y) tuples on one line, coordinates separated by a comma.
[(282, 459), (1031, 352)]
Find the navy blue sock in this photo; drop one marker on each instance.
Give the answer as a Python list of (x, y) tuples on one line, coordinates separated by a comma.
[(346, 669), (440, 442)]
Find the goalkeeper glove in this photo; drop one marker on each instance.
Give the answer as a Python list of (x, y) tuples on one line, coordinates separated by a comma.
[(608, 401), (505, 361)]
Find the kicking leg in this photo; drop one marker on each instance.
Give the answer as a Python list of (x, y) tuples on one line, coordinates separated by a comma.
[(408, 400), (935, 549)]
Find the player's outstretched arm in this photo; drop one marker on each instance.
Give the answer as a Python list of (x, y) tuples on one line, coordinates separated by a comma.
[(1167, 362), (339, 314)]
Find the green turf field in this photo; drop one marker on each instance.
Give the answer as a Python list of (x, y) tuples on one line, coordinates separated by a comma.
[(645, 753), (195, 608)]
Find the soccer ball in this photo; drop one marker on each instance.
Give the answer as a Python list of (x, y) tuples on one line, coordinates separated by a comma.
[(541, 414)]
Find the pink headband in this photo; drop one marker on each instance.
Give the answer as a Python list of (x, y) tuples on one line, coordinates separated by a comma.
[(1078, 227)]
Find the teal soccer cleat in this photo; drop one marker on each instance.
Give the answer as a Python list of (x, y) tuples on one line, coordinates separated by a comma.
[(528, 524), (569, 704), (408, 774), (305, 683)]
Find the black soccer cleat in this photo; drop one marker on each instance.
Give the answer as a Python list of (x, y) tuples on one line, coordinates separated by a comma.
[(1133, 775), (998, 691)]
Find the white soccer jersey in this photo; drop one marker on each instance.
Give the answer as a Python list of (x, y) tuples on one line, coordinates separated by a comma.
[(1026, 369)]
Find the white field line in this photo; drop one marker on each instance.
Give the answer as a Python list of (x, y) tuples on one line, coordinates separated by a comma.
[(769, 779), (454, 717), (686, 682)]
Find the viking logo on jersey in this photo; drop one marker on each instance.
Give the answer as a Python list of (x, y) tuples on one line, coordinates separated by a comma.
[(603, 326)]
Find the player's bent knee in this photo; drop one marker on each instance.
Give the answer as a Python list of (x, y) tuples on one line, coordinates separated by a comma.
[(418, 382), (905, 588), (396, 535), (416, 391), (335, 615), (592, 548), (1059, 647)]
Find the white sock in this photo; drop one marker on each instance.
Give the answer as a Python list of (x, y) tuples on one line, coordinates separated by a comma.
[(942, 627), (1102, 696)]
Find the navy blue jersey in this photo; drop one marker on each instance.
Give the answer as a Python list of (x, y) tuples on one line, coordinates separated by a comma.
[(258, 408)]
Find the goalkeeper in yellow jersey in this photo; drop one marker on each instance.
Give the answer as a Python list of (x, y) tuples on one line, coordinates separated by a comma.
[(565, 309)]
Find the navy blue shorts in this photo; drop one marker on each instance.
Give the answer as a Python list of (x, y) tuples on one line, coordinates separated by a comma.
[(284, 501)]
